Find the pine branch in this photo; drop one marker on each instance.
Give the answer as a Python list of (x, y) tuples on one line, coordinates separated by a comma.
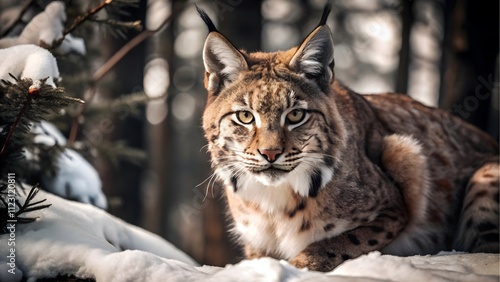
[(116, 151), (28, 206), (32, 90), (36, 203), (21, 104), (129, 101), (47, 158), (22, 209)]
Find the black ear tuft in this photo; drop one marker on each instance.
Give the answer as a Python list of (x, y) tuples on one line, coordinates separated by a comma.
[(326, 12), (314, 57), (206, 19)]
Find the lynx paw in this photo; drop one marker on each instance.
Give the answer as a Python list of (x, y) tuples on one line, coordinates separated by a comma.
[(300, 261), (315, 262)]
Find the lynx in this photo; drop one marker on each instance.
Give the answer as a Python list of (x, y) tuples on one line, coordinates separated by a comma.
[(317, 174)]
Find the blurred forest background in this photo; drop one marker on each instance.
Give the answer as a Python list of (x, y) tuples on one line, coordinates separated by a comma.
[(441, 52)]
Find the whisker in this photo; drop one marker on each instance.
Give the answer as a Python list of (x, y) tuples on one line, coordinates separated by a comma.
[(206, 179), (224, 158), (213, 181), (208, 186), (319, 153), (234, 149), (204, 147)]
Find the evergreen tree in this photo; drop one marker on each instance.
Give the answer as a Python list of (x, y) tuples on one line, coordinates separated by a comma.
[(26, 101)]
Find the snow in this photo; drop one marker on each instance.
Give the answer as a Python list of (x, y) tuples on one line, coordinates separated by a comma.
[(48, 134), (76, 178), (82, 240), (28, 61), (72, 44), (46, 28), (449, 267)]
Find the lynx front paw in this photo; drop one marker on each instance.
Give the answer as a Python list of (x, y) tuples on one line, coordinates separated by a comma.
[(300, 261), (252, 253), (315, 262)]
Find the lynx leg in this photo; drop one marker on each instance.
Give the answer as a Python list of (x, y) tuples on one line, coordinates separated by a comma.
[(328, 253), (478, 225), (252, 253)]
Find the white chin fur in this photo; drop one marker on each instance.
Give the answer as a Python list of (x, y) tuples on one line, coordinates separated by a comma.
[(273, 195), (298, 179), (270, 181)]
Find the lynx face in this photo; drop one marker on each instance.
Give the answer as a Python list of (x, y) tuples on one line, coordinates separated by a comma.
[(273, 133), (270, 119)]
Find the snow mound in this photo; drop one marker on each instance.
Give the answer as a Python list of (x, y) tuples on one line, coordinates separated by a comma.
[(82, 240), (75, 179), (79, 239), (449, 267)]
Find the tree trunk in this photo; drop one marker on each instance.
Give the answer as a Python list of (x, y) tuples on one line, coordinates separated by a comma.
[(406, 15), (123, 182), (469, 66)]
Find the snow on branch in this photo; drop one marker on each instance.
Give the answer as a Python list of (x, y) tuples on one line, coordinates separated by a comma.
[(21, 104), (28, 61), (46, 28)]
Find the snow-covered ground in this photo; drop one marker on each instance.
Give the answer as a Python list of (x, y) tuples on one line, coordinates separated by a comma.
[(82, 240)]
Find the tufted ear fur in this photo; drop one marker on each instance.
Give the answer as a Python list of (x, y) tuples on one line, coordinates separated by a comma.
[(223, 62), (314, 57)]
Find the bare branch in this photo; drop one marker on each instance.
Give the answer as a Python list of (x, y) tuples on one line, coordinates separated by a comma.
[(19, 17), (105, 68), (132, 25), (80, 19)]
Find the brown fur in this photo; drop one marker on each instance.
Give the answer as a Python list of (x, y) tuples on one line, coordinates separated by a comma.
[(404, 160)]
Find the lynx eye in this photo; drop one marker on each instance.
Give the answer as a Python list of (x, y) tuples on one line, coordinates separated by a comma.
[(295, 116), (245, 117)]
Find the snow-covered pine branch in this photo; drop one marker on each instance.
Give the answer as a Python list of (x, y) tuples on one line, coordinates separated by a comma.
[(46, 28)]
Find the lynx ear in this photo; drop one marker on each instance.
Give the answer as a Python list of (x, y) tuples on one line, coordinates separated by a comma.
[(314, 57), (223, 62)]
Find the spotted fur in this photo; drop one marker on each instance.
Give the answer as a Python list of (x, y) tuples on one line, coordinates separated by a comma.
[(317, 174)]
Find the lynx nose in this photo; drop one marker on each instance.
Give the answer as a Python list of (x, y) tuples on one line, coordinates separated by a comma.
[(270, 154)]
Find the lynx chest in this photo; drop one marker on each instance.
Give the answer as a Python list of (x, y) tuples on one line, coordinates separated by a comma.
[(277, 222)]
